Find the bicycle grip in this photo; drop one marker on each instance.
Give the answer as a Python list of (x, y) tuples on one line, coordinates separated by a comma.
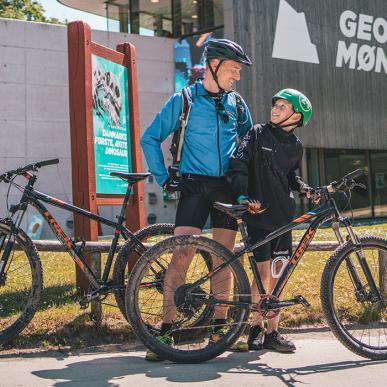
[(47, 162), (355, 174)]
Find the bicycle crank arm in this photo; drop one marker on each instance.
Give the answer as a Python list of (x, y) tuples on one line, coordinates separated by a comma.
[(298, 300), (96, 294)]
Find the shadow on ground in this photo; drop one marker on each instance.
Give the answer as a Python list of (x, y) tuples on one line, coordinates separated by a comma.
[(109, 371)]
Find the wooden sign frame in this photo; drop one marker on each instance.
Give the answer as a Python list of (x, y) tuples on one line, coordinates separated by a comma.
[(80, 51)]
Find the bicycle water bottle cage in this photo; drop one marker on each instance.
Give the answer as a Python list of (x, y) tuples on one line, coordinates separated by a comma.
[(78, 249)]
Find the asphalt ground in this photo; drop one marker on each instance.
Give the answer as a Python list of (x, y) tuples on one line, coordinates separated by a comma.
[(320, 360)]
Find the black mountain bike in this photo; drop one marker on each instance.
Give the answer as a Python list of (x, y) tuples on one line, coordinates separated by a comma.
[(353, 286), (21, 277)]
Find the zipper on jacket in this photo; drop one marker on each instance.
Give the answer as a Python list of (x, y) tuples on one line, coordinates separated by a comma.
[(219, 159)]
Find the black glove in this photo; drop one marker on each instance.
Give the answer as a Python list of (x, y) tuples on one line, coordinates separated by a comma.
[(187, 186), (172, 185), (307, 191)]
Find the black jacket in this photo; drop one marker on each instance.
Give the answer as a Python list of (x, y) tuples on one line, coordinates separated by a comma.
[(263, 167)]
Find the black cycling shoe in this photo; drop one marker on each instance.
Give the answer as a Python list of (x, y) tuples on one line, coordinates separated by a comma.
[(255, 340), (277, 342)]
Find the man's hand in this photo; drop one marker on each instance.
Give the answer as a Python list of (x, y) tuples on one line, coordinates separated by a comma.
[(172, 185), (187, 186)]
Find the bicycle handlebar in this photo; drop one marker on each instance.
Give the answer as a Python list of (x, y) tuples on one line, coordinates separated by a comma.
[(27, 168), (345, 182)]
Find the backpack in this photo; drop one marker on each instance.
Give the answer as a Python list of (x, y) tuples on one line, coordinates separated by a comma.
[(178, 136)]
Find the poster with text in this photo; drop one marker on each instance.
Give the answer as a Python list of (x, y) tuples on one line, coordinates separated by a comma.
[(111, 125)]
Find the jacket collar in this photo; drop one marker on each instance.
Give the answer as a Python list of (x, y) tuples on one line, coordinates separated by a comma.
[(200, 90)]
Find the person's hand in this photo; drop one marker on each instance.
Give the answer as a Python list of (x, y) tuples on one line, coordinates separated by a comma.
[(254, 206), (172, 185), (314, 197), (187, 186)]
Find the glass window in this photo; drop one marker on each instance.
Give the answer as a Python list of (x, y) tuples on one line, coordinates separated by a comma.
[(337, 164), (313, 167), (198, 15), (151, 17), (379, 182)]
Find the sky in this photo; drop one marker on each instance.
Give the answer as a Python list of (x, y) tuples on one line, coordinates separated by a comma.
[(54, 9)]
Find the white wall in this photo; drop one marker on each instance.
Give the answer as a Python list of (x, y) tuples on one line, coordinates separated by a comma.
[(34, 108)]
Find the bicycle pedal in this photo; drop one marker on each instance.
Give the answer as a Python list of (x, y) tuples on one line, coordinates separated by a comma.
[(301, 300)]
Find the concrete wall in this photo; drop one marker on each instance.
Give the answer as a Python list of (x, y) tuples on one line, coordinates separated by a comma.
[(34, 108)]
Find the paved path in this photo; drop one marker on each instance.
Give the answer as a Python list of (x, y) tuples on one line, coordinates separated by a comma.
[(319, 361)]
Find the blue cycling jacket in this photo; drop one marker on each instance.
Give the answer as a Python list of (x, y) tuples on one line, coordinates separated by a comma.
[(209, 142)]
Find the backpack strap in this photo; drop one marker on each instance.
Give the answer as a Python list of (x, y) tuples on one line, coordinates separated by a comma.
[(239, 107), (178, 136)]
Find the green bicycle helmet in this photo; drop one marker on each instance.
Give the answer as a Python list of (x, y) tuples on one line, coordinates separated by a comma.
[(300, 102)]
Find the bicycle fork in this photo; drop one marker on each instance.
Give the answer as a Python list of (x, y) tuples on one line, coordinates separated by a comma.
[(361, 295)]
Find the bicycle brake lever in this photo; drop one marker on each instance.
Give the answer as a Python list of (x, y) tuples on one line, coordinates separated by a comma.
[(360, 185)]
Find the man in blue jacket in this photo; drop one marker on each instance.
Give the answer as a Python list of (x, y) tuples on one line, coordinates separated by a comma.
[(216, 121)]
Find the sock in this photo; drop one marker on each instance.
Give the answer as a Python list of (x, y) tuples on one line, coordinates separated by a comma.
[(165, 328), (254, 332), (219, 322)]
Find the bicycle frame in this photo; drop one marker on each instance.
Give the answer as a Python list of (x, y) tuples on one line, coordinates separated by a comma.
[(35, 198), (321, 214)]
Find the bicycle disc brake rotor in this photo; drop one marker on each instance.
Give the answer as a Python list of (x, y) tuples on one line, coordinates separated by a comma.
[(188, 302)]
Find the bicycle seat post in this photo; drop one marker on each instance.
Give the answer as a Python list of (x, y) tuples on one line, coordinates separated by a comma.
[(121, 217), (250, 254)]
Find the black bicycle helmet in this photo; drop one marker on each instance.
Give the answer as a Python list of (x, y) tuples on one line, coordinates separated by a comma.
[(227, 50), (224, 49)]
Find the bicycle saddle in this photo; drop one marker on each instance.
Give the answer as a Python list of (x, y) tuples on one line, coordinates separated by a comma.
[(234, 210), (131, 178)]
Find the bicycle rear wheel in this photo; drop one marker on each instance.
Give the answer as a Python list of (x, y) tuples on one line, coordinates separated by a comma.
[(130, 253), (147, 299), (357, 317), (20, 284)]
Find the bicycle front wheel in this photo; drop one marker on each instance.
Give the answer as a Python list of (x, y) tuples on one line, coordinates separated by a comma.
[(20, 284), (149, 301), (356, 315)]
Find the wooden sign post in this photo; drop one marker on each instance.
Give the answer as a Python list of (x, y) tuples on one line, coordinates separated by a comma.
[(105, 130)]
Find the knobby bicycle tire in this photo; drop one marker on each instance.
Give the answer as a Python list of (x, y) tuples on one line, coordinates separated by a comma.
[(360, 325), (200, 348), (129, 254), (21, 285)]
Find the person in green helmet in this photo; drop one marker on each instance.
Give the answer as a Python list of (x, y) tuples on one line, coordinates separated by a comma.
[(262, 175)]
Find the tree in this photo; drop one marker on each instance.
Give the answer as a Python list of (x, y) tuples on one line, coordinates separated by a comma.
[(30, 10)]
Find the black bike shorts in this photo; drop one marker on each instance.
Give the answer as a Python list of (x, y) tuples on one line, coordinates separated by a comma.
[(195, 206), (280, 246)]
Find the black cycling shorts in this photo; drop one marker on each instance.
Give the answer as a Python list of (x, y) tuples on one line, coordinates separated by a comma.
[(195, 206), (280, 246)]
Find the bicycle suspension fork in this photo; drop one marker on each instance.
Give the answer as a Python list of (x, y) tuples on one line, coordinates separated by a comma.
[(361, 296), (14, 226)]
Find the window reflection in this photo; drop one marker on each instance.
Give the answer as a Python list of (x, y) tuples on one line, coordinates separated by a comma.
[(379, 182)]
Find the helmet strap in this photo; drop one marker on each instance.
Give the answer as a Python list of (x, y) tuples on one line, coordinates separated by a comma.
[(214, 75), (298, 124)]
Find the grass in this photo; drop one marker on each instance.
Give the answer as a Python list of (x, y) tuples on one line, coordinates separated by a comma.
[(59, 321)]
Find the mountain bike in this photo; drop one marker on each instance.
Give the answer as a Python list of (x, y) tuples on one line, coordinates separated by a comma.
[(353, 287), (21, 277)]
